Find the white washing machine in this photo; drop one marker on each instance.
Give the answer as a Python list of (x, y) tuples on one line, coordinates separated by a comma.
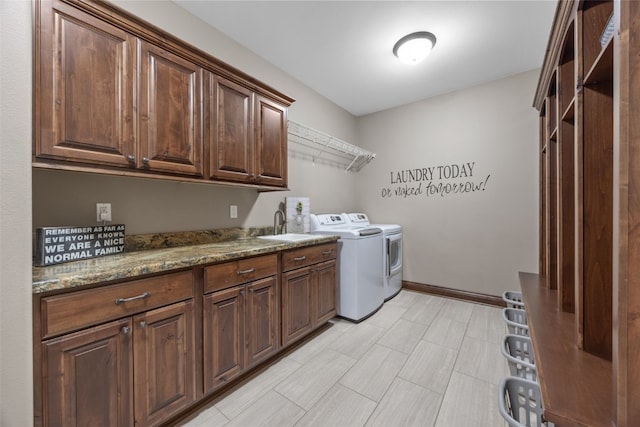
[(360, 282), (392, 252)]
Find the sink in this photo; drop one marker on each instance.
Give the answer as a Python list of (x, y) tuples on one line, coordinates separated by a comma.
[(289, 237)]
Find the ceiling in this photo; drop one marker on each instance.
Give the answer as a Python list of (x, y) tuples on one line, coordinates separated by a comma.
[(343, 49)]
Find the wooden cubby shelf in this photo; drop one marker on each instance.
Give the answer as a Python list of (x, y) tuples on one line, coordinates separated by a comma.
[(575, 385), (582, 305)]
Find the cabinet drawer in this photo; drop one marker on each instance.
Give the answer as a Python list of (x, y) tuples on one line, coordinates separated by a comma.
[(222, 276), (68, 312), (297, 258)]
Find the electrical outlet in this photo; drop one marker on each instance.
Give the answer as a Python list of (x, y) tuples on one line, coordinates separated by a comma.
[(103, 212), (233, 211)]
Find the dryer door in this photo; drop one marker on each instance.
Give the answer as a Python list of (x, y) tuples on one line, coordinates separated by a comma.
[(393, 254)]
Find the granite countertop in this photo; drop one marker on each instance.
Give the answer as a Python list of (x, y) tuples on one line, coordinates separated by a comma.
[(145, 261)]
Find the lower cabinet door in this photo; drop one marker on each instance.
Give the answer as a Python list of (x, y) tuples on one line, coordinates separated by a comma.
[(88, 377), (223, 336), (165, 363), (325, 292), (296, 304), (261, 315)]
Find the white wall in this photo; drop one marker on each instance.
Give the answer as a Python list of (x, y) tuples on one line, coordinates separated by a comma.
[(476, 241), (16, 382)]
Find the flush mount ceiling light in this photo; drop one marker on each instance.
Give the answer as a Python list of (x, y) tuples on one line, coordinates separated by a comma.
[(414, 47)]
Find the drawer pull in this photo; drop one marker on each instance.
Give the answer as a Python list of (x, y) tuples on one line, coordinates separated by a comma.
[(327, 252), (251, 270), (141, 296), (300, 258)]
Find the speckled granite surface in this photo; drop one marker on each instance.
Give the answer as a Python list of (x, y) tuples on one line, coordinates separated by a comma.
[(178, 252), (143, 242)]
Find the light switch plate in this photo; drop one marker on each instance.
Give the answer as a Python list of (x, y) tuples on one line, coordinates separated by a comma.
[(233, 211)]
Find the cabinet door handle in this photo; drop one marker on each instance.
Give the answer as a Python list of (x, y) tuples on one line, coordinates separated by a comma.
[(259, 177), (131, 158), (145, 160), (143, 324), (125, 330), (141, 296), (300, 258), (251, 270)]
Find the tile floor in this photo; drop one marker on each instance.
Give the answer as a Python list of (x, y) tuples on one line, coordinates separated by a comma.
[(421, 360)]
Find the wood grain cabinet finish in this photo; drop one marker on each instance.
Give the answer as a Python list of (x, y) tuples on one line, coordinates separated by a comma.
[(88, 377), (262, 320), (271, 143), (139, 369), (170, 113), (241, 321), (324, 292), (116, 95), (85, 88), (72, 311), (248, 143), (223, 336), (587, 96), (308, 290), (164, 362), (231, 132), (296, 304)]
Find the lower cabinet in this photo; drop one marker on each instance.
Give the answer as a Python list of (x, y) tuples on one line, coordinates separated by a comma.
[(241, 323), (93, 377), (164, 362), (308, 290), (89, 377), (136, 370), (143, 351)]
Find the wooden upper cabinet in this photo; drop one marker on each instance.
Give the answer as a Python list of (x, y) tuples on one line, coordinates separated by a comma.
[(248, 135), (84, 88), (116, 95), (231, 136), (271, 143), (170, 113)]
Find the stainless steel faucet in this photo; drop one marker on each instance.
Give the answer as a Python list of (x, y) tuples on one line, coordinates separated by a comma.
[(283, 222)]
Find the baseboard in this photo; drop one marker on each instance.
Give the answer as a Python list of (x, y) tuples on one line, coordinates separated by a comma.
[(454, 293)]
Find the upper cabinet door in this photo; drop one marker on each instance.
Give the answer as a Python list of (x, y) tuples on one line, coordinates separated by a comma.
[(84, 88), (231, 132), (170, 113), (271, 143)]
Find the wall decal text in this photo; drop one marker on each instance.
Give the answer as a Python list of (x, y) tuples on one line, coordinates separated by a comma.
[(441, 180)]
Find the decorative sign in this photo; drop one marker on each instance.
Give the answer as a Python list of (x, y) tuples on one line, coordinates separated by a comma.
[(55, 245), (442, 180)]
